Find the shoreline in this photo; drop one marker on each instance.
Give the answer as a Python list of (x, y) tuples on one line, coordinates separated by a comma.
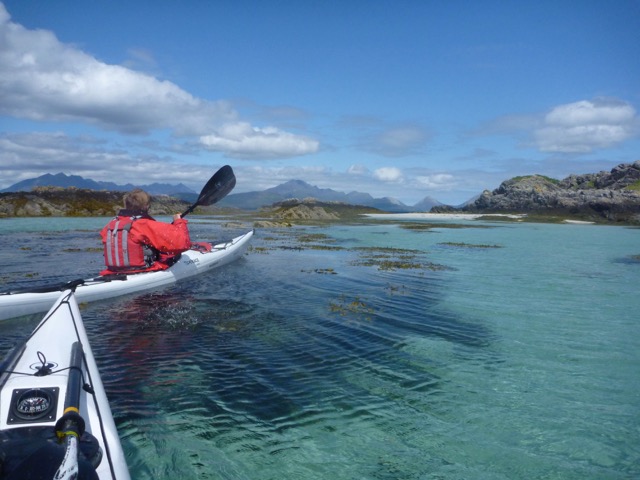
[(519, 217), (446, 216)]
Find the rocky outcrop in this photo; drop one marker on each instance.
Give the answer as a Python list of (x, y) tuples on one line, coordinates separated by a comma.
[(605, 196), (76, 202), (294, 210), (306, 212)]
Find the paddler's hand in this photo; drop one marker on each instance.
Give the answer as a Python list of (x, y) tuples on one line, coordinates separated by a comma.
[(177, 216)]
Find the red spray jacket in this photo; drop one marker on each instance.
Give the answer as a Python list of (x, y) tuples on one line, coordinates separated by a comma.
[(166, 240)]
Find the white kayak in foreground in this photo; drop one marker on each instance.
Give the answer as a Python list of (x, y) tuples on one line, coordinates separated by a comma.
[(191, 262), (47, 384)]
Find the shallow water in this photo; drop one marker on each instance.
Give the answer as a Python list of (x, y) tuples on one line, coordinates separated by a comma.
[(493, 351)]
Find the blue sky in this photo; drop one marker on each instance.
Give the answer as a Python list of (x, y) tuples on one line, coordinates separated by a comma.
[(403, 99)]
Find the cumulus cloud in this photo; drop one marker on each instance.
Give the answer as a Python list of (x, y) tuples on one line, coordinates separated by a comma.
[(44, 79), (240, 139), (436, 181), (584, 126), (389, 174)]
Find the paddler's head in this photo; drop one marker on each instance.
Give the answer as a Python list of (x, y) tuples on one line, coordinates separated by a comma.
[(137, 200)]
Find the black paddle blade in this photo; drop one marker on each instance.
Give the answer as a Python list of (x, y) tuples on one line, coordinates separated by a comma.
[(216, 188)]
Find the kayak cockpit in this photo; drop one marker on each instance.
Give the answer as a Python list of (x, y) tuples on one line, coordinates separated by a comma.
[(36, 453)]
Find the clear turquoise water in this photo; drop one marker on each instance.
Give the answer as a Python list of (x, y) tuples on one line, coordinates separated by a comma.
[(515, 356)]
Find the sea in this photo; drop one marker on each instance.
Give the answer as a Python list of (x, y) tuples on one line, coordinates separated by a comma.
[(398, 347)]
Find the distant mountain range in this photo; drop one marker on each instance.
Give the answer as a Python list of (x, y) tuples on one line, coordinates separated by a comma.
[(301, 190), (245, 201), (65, 181), (607, 196)]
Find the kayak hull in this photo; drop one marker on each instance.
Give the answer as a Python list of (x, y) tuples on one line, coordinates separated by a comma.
[(191, 263), (34, 383)]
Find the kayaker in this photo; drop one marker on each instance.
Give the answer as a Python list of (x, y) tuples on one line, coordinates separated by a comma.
[(135, 242)]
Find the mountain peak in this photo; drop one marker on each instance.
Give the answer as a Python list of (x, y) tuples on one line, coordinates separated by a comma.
[(297, 183)]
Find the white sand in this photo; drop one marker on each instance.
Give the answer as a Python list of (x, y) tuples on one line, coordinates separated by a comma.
[(459, 216), (442, 216), (579, 222)]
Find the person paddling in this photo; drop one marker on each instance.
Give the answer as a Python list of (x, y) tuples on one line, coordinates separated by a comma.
[(135, 242)]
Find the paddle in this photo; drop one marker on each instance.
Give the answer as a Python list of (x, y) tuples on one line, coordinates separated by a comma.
[(71, 425), (216, 188), (61, 287)]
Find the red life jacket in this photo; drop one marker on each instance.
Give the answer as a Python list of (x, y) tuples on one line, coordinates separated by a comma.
[(120, 252)]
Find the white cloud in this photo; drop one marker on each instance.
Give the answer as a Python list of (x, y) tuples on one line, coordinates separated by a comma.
[(43, 79), (27, 155), (389, 174), (591, 113), (436, 181), (583, 126), (240, 139)]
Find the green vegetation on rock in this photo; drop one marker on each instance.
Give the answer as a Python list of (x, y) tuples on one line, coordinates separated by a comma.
[(535, 178), (634, 187)]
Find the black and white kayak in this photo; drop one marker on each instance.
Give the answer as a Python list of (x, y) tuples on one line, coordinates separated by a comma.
[(192, 262), (55, 420)]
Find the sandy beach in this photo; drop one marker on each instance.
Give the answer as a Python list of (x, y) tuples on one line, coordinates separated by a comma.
[(442, 216)]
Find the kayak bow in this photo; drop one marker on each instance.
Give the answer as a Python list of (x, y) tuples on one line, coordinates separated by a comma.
[(55, 419)]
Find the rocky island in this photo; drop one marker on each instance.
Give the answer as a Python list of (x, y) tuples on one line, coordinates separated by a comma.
[(606, 197)]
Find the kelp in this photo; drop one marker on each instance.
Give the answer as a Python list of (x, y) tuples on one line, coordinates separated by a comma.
[(467, 245)]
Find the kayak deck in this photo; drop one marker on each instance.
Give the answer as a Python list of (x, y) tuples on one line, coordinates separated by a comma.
[(192, 262), (37, 381)]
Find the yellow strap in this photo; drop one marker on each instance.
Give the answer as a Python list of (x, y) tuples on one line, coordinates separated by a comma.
[(61, 435)]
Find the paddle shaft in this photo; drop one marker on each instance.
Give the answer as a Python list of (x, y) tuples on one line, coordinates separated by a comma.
[(72, 427), (74, 384)]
